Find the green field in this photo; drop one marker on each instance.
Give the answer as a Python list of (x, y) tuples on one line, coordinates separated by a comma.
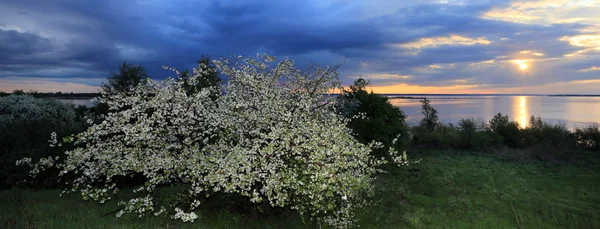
[(445, 190)]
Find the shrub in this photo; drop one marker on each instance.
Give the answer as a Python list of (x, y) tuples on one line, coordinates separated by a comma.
[(271, 138), (547, 141), (373, 117), (507, 130), (470, 126), (431, 133), (473, 134), (444, 137), (25, 126), (588, 138)]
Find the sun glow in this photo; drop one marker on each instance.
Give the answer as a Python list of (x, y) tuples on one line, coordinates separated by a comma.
[(522, 64), (521, 106)]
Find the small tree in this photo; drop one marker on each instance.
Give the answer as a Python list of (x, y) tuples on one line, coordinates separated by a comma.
[(506, 129), (18, 92), (127, 77), (431, 118), (373, 117), (497, 123)]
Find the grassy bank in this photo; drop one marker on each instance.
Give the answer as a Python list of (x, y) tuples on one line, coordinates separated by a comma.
[(446, 190)]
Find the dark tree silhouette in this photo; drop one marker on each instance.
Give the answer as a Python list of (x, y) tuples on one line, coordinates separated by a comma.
[(381, 120), (128, 76), (431, 118)]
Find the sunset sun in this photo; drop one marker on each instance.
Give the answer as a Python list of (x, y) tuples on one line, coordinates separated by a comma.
[(523, 66)]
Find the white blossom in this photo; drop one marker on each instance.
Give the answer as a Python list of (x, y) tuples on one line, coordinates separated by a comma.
[(272, 136)]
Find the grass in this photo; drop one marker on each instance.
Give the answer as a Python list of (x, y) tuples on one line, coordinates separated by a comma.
[(445, 190)]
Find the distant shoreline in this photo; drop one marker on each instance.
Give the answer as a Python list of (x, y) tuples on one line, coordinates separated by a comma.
[(475, 95), (576, 95), (456, 96)]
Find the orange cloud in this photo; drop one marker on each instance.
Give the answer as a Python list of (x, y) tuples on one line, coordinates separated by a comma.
[(416, 89)]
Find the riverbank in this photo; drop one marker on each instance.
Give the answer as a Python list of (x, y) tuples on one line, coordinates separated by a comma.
[(447, 189)]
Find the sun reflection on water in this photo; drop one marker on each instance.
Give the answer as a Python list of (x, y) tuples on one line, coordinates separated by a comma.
[(521, 107)]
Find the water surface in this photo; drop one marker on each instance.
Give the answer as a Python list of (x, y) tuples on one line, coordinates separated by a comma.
[(573, 111), (79, 102)]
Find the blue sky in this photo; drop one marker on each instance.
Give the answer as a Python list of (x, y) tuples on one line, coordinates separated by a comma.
[(428, 46)]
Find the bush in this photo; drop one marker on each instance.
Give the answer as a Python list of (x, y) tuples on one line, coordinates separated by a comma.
[(272, 138), (25, 127), (374, 118), (444, 137), (547, 141), (588, 138), (473, 134), (431, 133), (507, 130)]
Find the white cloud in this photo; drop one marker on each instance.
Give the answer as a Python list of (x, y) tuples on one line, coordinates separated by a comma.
[(547, 12), (439, 41), (590, 69)]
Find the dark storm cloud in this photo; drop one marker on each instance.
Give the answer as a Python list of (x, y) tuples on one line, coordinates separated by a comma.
[(89, 38)]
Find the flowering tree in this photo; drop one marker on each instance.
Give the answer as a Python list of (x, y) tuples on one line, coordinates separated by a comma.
[(272, 137)]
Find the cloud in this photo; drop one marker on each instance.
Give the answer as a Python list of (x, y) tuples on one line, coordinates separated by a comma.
[(440, 41), (586, 41), (423, 44), (382, 76), (417, 89), (547, 12), (531, 52), (590, 69), (583, 87)]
